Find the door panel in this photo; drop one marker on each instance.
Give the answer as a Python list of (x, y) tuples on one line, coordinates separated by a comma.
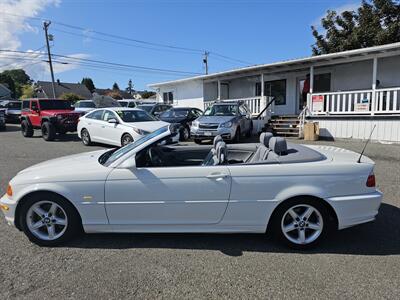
[(167, 195)]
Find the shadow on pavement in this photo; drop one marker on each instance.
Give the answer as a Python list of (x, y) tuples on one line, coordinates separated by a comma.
[(381, 237)]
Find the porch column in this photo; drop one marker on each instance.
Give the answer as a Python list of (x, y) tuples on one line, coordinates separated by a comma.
[(374, 76), (311, 88), (219, 90)]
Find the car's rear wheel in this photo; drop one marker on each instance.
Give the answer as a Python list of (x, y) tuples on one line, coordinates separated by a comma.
[(184, 134), (48, 131), (49, 220), (26, 129), (126, 139), (86, 137), (302, 223)]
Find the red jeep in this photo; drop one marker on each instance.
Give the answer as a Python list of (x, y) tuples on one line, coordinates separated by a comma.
[(52, 116)]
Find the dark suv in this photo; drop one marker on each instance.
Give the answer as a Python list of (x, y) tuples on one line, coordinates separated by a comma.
[(52, 116)]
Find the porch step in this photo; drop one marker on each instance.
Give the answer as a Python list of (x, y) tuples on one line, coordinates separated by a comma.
[(284, 125)]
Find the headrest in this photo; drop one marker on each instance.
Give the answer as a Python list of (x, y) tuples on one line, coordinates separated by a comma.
[(221, 152), (265, 137), (278, 145), (217, 139)]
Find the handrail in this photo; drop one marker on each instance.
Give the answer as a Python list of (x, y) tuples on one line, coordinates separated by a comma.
[(266, 107)]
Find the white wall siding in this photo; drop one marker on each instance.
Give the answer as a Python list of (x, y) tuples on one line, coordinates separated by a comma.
[(386, 130)]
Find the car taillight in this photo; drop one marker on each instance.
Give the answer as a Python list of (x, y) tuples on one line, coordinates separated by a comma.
[(371, 180)]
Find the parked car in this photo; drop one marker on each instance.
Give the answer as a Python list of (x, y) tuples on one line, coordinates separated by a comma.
[(128, 103), (300, 193), (231, 120), (12, 110), (117, 126), (2, 119), (84, 106), (51, 116), (183, 116), (155, 109)]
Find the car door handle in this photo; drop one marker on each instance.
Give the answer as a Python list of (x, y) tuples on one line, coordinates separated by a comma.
[(217, 175)]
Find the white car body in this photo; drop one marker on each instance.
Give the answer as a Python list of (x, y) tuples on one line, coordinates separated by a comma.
[(102, 131), (121, 197)]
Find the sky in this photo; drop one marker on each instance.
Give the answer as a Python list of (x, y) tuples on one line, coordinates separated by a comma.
[(237, 33)]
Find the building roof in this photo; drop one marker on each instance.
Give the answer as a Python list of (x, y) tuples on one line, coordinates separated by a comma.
[(45, 89), (325, 58), (104, 92)]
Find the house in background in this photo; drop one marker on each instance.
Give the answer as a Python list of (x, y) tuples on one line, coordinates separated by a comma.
[(5, 93), (347, 92), (44, 89), (106, 92)]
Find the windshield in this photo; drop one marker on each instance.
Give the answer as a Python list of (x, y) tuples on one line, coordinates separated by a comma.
[(114, 155), (55, 105), (175, 113), (88, 104), (14, 105), (145, 107), (131, 116), (221, 110)]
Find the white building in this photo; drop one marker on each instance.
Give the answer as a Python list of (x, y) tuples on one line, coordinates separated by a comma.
[(349, 92)]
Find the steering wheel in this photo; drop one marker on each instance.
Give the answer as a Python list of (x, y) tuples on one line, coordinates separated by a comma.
[(155, 157)]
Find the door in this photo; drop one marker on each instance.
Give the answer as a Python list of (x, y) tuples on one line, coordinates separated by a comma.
[(167, 195), (94, 122), (34, 114), (111, 132)]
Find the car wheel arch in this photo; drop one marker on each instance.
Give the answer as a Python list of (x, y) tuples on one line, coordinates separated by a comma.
[(326, 204), (34, 193)]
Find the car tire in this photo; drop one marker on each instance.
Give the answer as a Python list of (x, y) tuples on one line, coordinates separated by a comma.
[(197, 141), (26, 129), (85, 137), (48, 131), (49, 220), (126, 139), (248, 134), (237, 136), (184, 134), (302, 223)]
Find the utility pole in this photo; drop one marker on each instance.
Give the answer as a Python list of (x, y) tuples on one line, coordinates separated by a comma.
[(45, 27), (205, 60)]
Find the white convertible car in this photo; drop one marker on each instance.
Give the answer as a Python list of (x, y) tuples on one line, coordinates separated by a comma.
[(299, 193)]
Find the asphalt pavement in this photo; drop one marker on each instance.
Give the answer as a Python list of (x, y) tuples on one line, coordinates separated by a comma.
[(358, 263)]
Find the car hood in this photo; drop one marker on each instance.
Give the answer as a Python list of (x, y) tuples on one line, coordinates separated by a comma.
[(78, 167), (147, 126), (58, 112), (11, 111), (215, 119)]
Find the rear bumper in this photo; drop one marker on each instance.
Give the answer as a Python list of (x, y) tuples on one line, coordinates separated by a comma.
[(356, 209)]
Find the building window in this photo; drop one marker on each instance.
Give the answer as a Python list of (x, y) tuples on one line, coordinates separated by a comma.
[(168, 97), (275, 88)]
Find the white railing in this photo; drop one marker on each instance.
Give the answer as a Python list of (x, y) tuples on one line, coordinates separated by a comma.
[(382, 101), (255, 104)]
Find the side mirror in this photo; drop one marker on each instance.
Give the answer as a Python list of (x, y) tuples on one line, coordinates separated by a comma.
[(113, 121)]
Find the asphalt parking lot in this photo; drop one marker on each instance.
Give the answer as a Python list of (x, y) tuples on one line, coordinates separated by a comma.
[(359, 263)]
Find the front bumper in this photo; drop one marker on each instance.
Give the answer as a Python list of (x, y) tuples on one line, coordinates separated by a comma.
[(207, 134), (356, 209), (9, 213), (13, 118)]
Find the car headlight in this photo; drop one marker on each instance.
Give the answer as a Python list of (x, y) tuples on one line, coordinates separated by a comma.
[(226, 124), (140, 131)]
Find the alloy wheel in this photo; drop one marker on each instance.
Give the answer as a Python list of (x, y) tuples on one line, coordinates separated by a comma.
[(46, 220), (302, 224)]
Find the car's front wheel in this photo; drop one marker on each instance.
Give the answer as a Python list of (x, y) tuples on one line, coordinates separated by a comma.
[(302, 223), (26, 129), (48, 131), (126, 139), (49, 220), (184, 134)]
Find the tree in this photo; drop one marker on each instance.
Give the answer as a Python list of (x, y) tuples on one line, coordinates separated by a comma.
[(71, 97), (115, 87), (15, 79), (129, 89), (27, 91), (88, 82), (147, 94), (376, 22)]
